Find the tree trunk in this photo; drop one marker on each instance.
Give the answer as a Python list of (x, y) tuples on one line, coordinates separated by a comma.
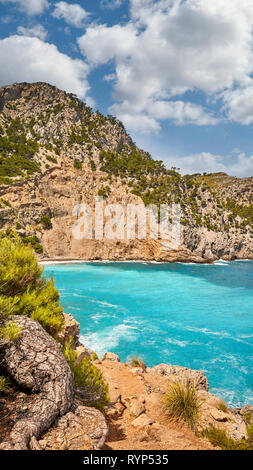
[(36, 363)]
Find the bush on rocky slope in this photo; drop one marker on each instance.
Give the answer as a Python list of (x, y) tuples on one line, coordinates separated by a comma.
[(22, 289), (219, 438), (87, 378)]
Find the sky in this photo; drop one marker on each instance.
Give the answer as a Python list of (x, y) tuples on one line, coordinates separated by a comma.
[(177, 73)]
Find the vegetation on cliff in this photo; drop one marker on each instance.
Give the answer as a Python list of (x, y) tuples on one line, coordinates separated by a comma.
[(24, 291), (43, 123), (219, 438), (87, 378), (181, 402), (42, 128)]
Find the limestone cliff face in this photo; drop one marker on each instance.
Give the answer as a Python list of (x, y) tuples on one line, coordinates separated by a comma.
[(50, 161)]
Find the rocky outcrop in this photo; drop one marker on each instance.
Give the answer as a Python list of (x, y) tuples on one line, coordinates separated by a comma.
[(143, 418), (70, 331), (181, 374), (82, 428), (36, 363)]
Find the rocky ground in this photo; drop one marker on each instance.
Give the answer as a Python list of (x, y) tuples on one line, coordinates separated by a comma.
[(138, 420), (135, 419)]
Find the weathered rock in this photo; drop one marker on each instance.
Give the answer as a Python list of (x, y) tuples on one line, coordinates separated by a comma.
[(137, 407), (136, 371), (182, 373), (142, 421), (109, 356), (247, 412), (231, 422), (82, 352), (70, 330), (82, 429), (36, 363), (219, 415)]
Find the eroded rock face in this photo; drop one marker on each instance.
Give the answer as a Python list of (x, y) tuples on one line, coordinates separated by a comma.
[(70, 330), (182, 373), (36, 363), (81, 429)]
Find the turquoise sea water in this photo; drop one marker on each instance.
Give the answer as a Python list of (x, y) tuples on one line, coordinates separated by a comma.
[(198, 316)]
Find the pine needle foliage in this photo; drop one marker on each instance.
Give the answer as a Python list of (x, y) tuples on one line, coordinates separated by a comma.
[(10, 331), (23, 290)]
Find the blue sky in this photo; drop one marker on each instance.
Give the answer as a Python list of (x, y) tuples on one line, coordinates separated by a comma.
[(178, 73)]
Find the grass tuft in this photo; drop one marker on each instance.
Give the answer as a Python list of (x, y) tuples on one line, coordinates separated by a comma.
[(222, 406), (137, 362), (181, 402)]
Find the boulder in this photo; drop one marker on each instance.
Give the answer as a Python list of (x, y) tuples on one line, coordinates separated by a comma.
[(109, 356), (36, 363), (182, 373), (84, 428)]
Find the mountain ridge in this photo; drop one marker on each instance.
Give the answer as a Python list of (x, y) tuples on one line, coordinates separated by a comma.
[(55, 152)]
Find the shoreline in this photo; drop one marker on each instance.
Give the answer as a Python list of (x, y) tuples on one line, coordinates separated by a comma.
[(54, 261)]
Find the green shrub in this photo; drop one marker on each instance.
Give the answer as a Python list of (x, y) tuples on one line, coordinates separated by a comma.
[(10, 331), (78, 165), (19, 269), (46, 222), (4, 384), (181, 402), (219, 438), (33, 241), (23, 291), (87, 378)]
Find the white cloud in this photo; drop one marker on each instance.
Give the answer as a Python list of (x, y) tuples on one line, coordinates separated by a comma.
[(73, 14), (240, 165), (30, 59), (182, 113), (171, 46), (111, 4), (101, 44), (37, 31), (31, 7), (239, 105)]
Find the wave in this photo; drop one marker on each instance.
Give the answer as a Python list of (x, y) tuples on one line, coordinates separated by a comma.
[(108, 339)]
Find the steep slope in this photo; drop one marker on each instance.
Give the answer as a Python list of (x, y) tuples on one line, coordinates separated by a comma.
[(55, 153)]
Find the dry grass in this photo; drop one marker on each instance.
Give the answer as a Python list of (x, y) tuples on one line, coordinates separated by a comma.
[(137, 362), (222, 406)]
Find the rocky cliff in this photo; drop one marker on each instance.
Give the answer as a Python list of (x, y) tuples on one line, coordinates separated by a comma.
[(55, 153)]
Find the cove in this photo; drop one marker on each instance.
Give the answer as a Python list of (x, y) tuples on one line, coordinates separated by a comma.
[(197, 316)]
